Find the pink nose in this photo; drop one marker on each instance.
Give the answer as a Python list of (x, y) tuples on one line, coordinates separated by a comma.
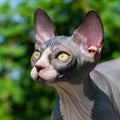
[(39, 68)]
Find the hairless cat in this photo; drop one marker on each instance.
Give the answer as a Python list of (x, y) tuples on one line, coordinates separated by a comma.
[(87, 91)]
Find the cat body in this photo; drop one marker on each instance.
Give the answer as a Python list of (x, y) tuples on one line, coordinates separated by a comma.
[(86, 91), (101, 98)]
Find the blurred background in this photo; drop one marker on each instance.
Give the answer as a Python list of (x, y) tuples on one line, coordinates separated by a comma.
[(21, 98)]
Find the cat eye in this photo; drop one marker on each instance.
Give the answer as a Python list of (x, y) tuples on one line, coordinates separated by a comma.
[(36, 55), (63, 56)]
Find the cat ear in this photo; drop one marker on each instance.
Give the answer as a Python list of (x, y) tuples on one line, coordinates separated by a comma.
[(44, 27), (90, 33)]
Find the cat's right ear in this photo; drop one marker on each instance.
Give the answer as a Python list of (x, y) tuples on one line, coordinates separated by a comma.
[(44, 27)]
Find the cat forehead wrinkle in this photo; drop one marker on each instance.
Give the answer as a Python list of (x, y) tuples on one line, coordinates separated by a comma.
[(54, 43), (58, 40)]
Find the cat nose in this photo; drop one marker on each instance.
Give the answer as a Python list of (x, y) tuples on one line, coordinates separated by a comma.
[(39, 68)]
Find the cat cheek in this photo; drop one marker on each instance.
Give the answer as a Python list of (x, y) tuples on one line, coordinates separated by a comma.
[(49, 75), (34, 73)]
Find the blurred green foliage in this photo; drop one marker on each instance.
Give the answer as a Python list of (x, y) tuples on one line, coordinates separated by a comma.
[(20, 97)]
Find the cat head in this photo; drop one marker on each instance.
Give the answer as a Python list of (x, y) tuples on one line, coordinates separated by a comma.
[(62, 58)]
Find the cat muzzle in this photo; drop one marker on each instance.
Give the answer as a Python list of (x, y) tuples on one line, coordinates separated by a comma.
[(45, 75)]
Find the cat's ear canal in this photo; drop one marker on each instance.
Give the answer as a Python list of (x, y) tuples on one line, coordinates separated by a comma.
[(44, 27), (89, 35)]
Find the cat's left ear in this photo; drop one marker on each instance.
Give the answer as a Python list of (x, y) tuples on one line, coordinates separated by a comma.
[(89, 34), (44, 27)]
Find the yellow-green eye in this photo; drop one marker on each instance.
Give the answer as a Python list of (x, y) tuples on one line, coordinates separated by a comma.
[(63, 56), (36, 55)]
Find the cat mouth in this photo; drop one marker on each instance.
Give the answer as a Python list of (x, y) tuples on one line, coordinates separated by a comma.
[(44, 82)]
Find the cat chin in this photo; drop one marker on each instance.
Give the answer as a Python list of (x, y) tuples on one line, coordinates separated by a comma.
[(45, 82)]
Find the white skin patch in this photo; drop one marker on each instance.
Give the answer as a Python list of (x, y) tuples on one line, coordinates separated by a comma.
[(48, 73), (34, 73)]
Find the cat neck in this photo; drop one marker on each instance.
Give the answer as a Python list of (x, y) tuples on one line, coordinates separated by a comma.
[(74, 100)]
